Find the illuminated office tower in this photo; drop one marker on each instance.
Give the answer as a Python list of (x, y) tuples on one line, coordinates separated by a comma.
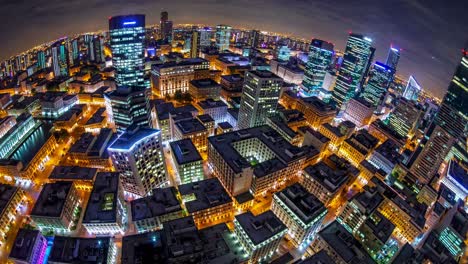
[(254, 38), (195, 44), (283, 53), (356, 60), (96, 49), (60, 59), (128, 106), (73, 51), (127, 34), (138, 155), (205, 37), (41, 60), (166, 27), (412, 90), (452, 231), (259, 98), (403, 120), (393, 57), (223, 36), (320, 59), (380, 78)]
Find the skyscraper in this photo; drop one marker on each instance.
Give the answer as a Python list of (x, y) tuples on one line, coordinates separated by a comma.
[(283, 53), (403, 120), (96, 49), (380, 78), (74, 51), (254, 38), (195, 44), (128, 106), (205, 37), (393, 57), (41, 59), (60, 59), (412, 90), (127, 34), (223, 36), (259, 99), (320, 59), (356, 61), (166, 27), (138, 155)]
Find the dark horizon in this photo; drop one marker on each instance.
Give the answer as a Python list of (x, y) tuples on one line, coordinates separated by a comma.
[(430, 33)]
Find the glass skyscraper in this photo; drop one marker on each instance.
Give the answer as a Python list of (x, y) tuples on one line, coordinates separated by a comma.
[(127, 35), (41, 59), (223, 35), (412, 90), (259, 100), (320, 59), (393, 57), (356, 60), (380, 78), (166, 27), (60, 58)]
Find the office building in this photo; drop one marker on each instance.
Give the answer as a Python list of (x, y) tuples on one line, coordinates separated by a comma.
[(326, 179), (300, 211), (173, 76), (259, 235), (393, 57), (207, 201), (318, 64), (29, 247), (216, 109), (412, 90), (223, 37), (260, 97), (386, 156), (68, 250), (254, 160), (10, 201), (195, 44), (56, 207), (73, 51), (150, 212), (127, 35), (205, 35), (358, 147), (375, 235), (356, 61), (359, 111), (41, 60), (106, 211), (380, 78), (188, 162), (90, 150), (138, 155), (340, 245), (127, 106), (83, 177), (452, 231), (289, 71), (96, 49), (404, 118), (283, 52), (166, 27), (202, 89), (316, 111), (193, 129), (60, 62), (456, 179)]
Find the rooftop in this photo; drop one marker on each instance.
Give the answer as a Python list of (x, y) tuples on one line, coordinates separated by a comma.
[(204, 83), (143, 248), (369, 199), (207, 194), (319, 258), (73, 173), (80, 250), (318, 104), (190, 126), (260, 227), (133, 136), (380, 226), (206, 118), (24, 244), (102, 203), (183, 62), (52, 199), (210, 103), (185, 151), (224, 125), (458, 173), (390, 151), (302, 203), (162, 201), (97, 117)]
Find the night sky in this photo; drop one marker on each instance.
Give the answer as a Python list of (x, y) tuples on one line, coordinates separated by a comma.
[(431, 32)]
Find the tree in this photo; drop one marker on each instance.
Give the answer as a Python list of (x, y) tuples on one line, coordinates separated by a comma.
[(187, 97), (82, 89), (168, 97), (178, 96)]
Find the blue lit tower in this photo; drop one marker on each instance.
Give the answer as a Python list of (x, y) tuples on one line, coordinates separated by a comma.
[(320, 59), (380, 78), (393, 57), (412, 90), (223, 36), (60, 58), (356, 60), (74, 51), (41, 59), (127, 34), (283, 53)]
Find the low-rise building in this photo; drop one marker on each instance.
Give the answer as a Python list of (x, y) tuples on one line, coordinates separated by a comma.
[(106, 211), (386, 156), (259, 235), (300, 211), (358, 147), (82, 250), (207, 201), (90, 150), (83, 177), (316, 111), (314, 138), (374, 234), (187, 159), (29, 247), (216, 109), (334, 134), (194, 130), (203, 89), (57, 207), (150, 212), (11, 199), (223, 127)]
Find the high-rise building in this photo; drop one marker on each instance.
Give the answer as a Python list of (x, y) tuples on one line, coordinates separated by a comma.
[(283, 53), (380, 78), (195, 44), (41, 60), (393, 57), (254, 38), (223, 36), (127, 34), (404, 118), (412, 90), (128, 106), (73, 51), (205, 37), (96, 49), (138, 155), (259, 99), (60, 59), (320, 59), (356, 61), (166, 27)]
